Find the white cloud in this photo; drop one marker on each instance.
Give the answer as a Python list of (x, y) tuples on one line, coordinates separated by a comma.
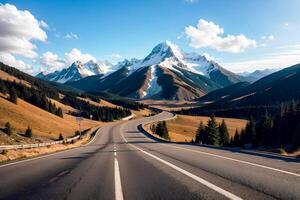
[(116, 56), (18, 30), (43, 24), (286, 24), (10, 60), (72, 36), (75, 55), (191, 1), (283, 57), (268, 38), (52, 61), (209, 34)]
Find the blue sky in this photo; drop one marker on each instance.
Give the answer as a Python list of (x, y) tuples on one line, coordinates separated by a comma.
[(116, 29)]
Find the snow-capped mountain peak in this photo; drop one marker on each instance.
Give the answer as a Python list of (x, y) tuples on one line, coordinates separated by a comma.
[(161, 52), (76, 71)]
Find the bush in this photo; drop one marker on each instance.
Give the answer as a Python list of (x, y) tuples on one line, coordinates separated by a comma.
[(61, 137), (162, 130), (28, 132), (4, 152), (59, 112), (77, 133), (13, 97), (8, 128)]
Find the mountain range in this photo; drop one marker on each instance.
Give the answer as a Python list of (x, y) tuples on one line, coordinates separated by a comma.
[(244, 99), (166, 72), (77, 71), (257, 74)]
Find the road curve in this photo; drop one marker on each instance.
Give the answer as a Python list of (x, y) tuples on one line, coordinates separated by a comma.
[(123, 163)]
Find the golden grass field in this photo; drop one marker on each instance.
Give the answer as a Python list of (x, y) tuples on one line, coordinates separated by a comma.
[(43, 123), (141, 113), (184, 127), (6, 76), (169, 105), (27, 153)]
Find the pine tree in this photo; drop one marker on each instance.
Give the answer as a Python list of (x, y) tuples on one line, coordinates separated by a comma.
[(165, 130), (264, 130), (8, 128), (3, 88), (296, 136), (200, 134), (282, 109), (59, 112), (28, 132), (250, 132), (224, 136), (61, 137), (162, 130), (213, 134), (242, 137), (158, 129), (152, 128), (236, 139), (13, 95), (293, 106)]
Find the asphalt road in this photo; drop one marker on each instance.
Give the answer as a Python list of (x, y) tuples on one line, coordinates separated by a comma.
[(122, 163)]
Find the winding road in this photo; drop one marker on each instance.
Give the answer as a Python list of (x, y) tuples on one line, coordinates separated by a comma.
[(123, 163)]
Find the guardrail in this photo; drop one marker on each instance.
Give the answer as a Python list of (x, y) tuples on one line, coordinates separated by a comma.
[(36, 145), (129, 117)]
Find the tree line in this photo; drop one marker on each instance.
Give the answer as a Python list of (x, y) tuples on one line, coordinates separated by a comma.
[(8, 129), (105, 114), (128, 104), (278, 130), (44, 86), (244, 112), (213, 133), (160, 129), (30, 95), (269, 130)]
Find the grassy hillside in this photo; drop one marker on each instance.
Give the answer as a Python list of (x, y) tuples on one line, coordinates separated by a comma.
[(184, 127), (43, 123), (253, 100)]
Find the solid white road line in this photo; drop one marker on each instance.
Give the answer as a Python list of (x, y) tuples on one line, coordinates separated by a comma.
[(233, 159), (118, 185), (194, 177), (92, 140), (236, 160)]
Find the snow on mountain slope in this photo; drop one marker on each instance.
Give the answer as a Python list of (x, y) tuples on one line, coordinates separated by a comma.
[(77, 71), (165, 73), (153, 87)]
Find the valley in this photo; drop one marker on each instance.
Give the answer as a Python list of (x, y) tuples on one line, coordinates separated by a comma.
[(204, 129), (149, 100)]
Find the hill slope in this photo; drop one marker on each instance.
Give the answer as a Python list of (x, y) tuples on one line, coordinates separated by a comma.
[(269, 92), (43, 123)]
